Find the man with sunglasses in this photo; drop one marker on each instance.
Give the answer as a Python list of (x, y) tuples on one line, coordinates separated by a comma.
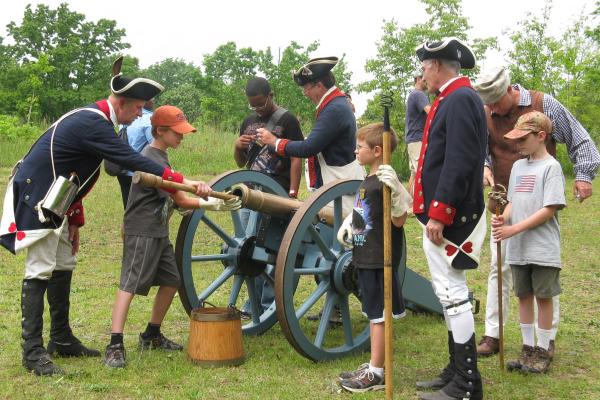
[(448, 203), (504, 104)]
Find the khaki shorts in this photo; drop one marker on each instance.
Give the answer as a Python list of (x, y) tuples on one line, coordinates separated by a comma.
[(414, 151), (541, 281)]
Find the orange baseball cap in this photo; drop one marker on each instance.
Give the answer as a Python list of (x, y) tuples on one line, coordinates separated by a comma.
[(533, 121), (171, 117)]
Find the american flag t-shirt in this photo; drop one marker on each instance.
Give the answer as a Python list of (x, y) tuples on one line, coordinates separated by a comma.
[(525, 184)]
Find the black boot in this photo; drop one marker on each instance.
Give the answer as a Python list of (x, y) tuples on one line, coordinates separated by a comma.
[(447, 374), (466, 383), (62, 341), (35, 357)]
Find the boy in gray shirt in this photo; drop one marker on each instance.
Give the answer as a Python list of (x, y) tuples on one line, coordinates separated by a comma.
[(535, 194), (148, 257)]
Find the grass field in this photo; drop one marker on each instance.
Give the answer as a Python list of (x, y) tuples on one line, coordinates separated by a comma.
[(273, 369)]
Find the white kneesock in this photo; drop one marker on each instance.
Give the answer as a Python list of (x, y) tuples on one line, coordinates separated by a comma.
[(543, 336), (463, 326), (375, 370), (528, 334)]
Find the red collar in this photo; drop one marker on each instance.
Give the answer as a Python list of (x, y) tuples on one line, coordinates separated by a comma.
[(334, 93), (103, 106)]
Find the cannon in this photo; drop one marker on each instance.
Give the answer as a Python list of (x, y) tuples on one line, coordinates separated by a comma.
[(292, 246)]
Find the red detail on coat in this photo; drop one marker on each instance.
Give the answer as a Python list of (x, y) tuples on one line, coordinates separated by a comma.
[(21, 235), (280, 150), (103, 106), (419, 201), (335, 93), (171, 175), (440, 212), (450, 250), (75, 214), (467, 247), (12, 228)]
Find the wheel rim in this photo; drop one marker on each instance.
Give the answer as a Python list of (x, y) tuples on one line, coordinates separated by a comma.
[(219, 265), (317, 340)]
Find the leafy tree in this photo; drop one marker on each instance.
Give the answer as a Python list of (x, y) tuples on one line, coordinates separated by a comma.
[(80, 53), (185, 96), (174, 72)]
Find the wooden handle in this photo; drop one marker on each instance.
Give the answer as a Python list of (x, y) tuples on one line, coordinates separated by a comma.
[(150, 180), (500, 290)]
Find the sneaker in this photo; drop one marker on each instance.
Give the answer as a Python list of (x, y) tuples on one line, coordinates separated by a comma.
[(539, 362), (114, 357), (335, 319), (159, 342), (526, 354), (365, 382), (488, 346), (353, 374), (42, 366)]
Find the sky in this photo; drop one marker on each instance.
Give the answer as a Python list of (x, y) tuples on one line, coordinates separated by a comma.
[(190, 29)]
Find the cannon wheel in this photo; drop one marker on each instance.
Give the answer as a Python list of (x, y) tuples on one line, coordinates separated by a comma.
[(226, 248), (310, 253)]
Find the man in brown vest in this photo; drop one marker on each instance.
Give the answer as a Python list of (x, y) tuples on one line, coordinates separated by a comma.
[(504, 104)]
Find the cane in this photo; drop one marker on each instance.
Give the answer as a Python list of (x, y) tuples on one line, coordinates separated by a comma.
[(386, 102), (498, 196), (150, 180)]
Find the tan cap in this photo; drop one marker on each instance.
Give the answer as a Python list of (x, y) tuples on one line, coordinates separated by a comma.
[(533, 121), (491, 86)]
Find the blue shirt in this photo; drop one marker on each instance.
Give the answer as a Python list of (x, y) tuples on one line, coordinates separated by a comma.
[(415, 115), (139, 133)]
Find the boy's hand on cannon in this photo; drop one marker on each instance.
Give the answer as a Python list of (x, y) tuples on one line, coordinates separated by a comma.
[(400, 197), (266, 137), (213, 204), (202, 189), (344, 235)]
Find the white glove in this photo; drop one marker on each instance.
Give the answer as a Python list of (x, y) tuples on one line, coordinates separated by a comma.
[(400, 197), (214, 204), (344, 235)]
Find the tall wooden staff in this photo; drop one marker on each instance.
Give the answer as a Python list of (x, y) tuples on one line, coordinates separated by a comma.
[(386, 102), (497, 202)]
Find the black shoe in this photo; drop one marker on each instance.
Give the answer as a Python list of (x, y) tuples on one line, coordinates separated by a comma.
[(73, 349), (62, 341), (447, 374), (158, 342), (42, 366), (114, 357)]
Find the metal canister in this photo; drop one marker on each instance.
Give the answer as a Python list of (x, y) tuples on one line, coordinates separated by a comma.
[(60, 196)]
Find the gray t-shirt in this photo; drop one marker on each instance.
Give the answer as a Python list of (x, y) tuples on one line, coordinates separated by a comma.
[(148, 208), (415, 115), (532, 186)]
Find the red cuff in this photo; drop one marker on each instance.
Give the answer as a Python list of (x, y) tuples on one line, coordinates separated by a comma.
[(442, 212), (281, 147), (75, 214), (171, 175)]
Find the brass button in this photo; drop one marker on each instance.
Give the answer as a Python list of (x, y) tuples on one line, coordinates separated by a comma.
[(78, 211), (28, 180), (422, 206), (463, 219), (420, 193), (26, 197), (419, 180), (448, 210), (435, 203), (474, 216)]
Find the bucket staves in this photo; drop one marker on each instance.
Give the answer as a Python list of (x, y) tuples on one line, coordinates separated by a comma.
[(216, 337)]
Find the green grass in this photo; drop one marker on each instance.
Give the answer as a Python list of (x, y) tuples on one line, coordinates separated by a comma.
[(273, 370)]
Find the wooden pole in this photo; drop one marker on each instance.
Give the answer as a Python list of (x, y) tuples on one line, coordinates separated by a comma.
[(387, 265), (151, 180), (500, 316)]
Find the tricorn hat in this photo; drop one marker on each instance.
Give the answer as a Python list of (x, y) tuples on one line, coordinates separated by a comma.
[(136, 88), (447, 49), (314, 69)]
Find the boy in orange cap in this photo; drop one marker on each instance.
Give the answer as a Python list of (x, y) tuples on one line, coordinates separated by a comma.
[(536, 191), (148, 257)]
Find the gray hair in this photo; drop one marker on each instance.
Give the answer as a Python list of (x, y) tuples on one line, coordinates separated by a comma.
[(451, 65)]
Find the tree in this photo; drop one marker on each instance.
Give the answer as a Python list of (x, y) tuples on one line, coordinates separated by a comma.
[(80, 52)]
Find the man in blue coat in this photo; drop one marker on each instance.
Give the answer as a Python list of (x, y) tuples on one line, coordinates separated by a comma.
[(73, 147), (448, 202)]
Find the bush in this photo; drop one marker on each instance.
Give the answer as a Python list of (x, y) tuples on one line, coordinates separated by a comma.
[(12, 128)]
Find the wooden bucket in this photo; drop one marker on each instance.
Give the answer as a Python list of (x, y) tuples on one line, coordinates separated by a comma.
[(216, 337)]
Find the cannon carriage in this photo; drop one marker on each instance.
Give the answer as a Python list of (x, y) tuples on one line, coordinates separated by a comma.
[(291, 245)]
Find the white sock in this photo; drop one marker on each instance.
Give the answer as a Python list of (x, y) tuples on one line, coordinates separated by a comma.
[(528, 334), (544, 338), (553, 334), (375, 370), (463, 326)]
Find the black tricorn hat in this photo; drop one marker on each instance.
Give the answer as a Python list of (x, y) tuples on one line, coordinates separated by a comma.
[(447, 49), (135, 88), (314, 69)]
